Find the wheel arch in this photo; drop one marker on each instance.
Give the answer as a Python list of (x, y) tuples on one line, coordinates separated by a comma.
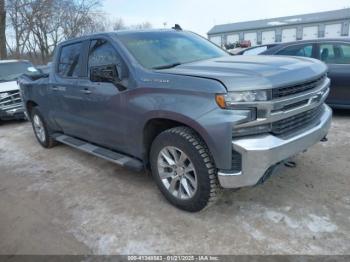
[(156, 125), (30, 104)]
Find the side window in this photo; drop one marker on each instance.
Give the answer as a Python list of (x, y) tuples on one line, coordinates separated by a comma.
[(297, 50), (326, 52), (255, 51), (69, 62), (102, 52), (335, 53)]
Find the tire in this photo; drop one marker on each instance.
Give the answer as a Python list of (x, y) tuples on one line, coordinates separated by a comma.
[(41, 130), (188, 187)]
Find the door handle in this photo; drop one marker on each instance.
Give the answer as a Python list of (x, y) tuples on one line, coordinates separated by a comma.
[(54, 88), (86, 91)]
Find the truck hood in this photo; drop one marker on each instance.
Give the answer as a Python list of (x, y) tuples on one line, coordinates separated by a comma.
[(8, 86), (253, 72)]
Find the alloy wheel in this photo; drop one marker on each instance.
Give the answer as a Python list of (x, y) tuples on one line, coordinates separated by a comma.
[(39, 128), (177, 172)]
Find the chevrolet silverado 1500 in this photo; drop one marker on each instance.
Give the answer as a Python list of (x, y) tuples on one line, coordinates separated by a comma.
[(172, 102)]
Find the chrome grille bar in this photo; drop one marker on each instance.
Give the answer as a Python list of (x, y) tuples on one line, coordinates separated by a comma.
[(297, 121), (13, 98), (291, 90)]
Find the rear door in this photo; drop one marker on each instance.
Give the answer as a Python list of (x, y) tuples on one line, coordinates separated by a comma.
[(69, 104), (337, 56)]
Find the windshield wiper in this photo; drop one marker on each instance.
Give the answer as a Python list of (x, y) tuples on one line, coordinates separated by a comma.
[(167, 66)]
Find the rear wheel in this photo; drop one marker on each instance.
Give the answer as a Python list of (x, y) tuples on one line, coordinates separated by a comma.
[(41, 130), (183, 169)]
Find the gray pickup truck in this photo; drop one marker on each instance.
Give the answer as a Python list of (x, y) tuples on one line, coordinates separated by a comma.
[(171, 102)]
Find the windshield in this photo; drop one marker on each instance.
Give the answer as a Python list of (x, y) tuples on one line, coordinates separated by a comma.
[(12, 70), (160, 50)]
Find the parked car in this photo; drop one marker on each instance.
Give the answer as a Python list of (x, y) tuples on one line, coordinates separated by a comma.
[(256, 50), (11, 106), (335, 53), (173, 102)]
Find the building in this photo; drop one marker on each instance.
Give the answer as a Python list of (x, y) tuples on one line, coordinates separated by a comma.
[(331, 24)]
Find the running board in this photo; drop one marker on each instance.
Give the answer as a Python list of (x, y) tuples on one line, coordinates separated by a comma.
[(101, 152)]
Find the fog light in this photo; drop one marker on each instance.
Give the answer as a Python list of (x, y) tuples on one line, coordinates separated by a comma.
[(245, 131)]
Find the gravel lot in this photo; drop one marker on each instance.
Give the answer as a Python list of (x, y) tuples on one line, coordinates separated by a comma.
[(62, 201)]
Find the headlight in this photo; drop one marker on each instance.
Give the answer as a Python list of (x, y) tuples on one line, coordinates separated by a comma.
[(3, 95), (230, 98)]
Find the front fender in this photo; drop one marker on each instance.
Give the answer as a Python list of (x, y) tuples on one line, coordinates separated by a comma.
[(197, 110), (214, 127)]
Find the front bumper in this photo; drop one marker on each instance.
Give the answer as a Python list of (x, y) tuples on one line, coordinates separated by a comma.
[(12, 112), (261, 152)]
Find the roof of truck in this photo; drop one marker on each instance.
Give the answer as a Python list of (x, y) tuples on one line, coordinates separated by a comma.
[(128, 31), (119, 32)]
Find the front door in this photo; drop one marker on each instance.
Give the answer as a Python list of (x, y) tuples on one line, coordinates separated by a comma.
[(102, 101)]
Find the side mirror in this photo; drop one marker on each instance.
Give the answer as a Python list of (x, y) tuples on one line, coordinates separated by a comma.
[(32, 69), (107, 73), (104, 73)]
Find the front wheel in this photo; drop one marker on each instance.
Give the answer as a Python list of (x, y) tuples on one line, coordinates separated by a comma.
[(183, 169)]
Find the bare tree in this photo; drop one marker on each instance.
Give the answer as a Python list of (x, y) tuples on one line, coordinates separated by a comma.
[(144, 25), (21, 19), (39, 25), (99, 23), (78, 17), (119, 24), (3, 52)]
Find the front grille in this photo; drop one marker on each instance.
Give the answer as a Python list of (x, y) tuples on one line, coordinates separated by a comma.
[(10, 99), (289, 124), (236, 161), (291, 90)]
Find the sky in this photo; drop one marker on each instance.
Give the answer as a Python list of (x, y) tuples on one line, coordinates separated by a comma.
[(201, 15)]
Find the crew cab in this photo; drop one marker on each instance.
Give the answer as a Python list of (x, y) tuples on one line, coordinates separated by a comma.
[(11, 106), (171, 102)]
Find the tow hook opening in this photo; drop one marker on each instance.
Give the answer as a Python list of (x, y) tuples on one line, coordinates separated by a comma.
[(325, 139), (290, 164), (269, 172)]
